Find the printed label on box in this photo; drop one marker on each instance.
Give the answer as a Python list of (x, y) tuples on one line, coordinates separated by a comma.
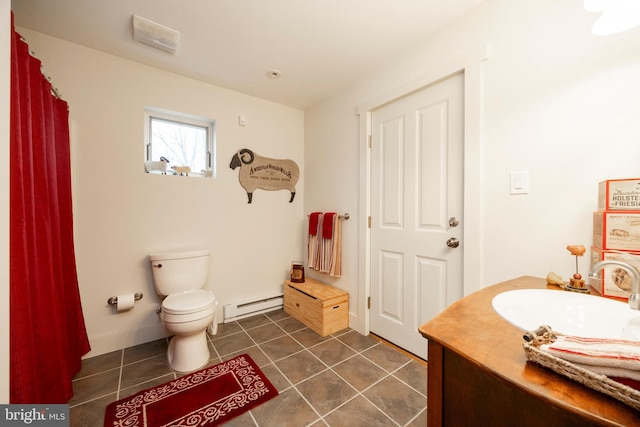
[(616, 230), (619, 194), (615, 281)]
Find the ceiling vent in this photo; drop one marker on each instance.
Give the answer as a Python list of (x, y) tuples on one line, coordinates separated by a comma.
[(155, 35)]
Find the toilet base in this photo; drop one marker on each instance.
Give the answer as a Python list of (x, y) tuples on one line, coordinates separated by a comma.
[(188, 353)]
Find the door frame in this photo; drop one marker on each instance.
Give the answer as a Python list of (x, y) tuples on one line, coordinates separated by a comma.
[(469, 63)]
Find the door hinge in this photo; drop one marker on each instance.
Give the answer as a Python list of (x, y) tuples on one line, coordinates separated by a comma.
[(369, 302), (369, 143), (369, 221)]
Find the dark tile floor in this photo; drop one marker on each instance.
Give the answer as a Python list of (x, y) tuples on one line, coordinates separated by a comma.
[(345, 379)]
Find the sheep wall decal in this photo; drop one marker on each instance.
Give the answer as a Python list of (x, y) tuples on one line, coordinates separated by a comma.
[(264, 173)]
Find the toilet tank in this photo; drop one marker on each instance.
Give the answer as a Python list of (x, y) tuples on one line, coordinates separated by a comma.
[(179, 271)]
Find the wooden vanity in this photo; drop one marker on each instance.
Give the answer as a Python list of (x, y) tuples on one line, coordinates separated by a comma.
[(479, 376)]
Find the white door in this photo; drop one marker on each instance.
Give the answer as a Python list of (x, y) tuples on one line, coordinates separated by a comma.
[(416, 211)]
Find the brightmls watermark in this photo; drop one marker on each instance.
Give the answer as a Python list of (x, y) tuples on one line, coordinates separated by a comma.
[(34, 415)]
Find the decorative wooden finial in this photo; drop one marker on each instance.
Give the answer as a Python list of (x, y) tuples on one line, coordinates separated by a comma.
[(577, 250), (576, 282)]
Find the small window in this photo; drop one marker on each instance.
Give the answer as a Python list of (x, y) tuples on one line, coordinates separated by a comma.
[(179, 144)]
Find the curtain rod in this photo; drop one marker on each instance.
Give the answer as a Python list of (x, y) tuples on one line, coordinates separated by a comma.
[(54, 90)]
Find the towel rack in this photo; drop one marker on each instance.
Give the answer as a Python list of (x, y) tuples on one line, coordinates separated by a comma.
[(345, 216)]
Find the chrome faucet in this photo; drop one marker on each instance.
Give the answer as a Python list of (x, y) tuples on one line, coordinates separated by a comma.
[(634, 298)]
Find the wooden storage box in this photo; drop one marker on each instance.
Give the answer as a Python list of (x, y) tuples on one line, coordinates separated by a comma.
[(617, 230), (322, 307), (619, 194), (613, 283)]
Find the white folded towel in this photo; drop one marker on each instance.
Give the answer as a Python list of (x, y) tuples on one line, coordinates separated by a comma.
[(610, 357), (610, 372)]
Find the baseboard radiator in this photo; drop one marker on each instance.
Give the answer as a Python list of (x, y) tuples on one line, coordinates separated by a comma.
[(251, 308)]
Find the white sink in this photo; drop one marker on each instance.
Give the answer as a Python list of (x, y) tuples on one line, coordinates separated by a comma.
[(569, 313)]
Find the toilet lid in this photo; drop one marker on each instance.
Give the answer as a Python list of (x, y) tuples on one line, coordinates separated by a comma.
[(178, 255), (188, 302)]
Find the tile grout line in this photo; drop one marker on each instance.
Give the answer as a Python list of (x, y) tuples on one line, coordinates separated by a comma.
[(120, 375), (416, 417)]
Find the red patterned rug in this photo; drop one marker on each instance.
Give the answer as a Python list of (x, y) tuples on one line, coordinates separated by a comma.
[(207, 397)]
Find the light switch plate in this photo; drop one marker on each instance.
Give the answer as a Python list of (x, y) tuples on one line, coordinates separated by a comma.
[(519, 182)]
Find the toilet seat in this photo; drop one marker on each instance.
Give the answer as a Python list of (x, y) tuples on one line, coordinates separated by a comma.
[(188, 306), (188, 302)]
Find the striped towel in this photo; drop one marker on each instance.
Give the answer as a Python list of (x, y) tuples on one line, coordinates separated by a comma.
[(327, 241), (336, 254), (324, 247), (314, 239), (610, 357)]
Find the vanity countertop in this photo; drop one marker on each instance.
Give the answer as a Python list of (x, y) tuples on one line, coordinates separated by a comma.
[(472, 329)]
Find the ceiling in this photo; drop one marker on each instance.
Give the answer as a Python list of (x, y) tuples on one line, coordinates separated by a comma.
[(319, 46)]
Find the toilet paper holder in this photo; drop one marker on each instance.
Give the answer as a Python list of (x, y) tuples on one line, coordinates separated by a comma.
[(114, 300)]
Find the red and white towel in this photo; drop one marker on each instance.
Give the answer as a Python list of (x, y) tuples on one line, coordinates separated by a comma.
[(313, 256), (324, 244), (610, 357)]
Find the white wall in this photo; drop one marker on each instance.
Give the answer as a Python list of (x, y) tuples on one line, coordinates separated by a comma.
[(5, 79), (557, 102), (123, 214)]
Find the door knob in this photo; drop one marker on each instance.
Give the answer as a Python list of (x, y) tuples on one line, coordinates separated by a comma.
[(453, 242), (454, 222)]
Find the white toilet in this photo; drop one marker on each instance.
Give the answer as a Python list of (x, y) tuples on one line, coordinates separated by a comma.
[(188, 309)]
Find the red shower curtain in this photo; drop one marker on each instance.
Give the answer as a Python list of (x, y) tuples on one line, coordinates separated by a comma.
[(48, 335)]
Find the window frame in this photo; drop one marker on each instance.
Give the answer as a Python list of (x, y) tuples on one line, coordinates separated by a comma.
[(184, 119)]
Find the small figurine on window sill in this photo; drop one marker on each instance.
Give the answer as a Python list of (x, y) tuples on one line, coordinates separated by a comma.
[(182, 170)]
